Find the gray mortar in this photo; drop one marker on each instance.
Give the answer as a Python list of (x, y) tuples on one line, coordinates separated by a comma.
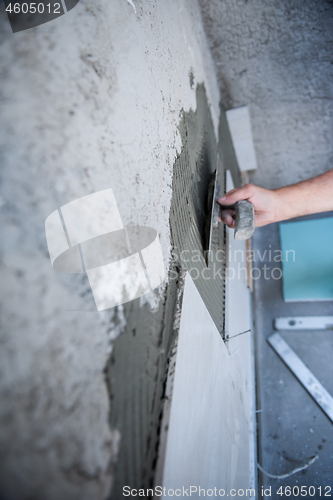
[(192, 174), (137, 370)]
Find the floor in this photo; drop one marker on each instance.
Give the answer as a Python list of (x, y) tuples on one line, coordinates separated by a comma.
[(291, 426)]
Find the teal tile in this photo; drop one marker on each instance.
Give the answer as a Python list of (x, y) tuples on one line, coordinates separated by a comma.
[(307, 265)]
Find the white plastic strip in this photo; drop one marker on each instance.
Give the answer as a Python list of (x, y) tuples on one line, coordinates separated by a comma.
[(302, 372), (304, 323), (241, 133)]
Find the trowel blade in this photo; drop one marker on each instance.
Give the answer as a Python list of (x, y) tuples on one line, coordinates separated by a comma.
[(213, 213)]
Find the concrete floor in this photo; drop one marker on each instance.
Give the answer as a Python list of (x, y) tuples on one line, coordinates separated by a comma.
[(276, 57), (291, 426)]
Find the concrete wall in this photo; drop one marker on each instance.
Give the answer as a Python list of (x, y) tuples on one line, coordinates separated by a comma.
[(88, 101), (210, 429), (276, 56)]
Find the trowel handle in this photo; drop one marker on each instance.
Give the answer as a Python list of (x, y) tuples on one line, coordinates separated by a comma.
[(245, 220)]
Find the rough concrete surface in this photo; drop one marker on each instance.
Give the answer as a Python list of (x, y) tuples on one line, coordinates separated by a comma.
[(276, 57), (88, 101)]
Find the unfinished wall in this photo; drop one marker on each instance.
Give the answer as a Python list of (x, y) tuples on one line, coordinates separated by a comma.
[(89, 101), (276, 56)]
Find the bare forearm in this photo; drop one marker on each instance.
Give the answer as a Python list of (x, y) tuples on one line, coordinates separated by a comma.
[(307, 197)]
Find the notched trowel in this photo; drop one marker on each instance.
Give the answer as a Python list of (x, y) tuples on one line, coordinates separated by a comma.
[(244, 216), (213, 209)]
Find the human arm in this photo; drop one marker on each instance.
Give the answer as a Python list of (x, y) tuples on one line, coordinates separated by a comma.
[(307, 197)]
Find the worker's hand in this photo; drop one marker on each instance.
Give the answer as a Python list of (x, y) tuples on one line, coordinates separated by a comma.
[(264, 201)]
